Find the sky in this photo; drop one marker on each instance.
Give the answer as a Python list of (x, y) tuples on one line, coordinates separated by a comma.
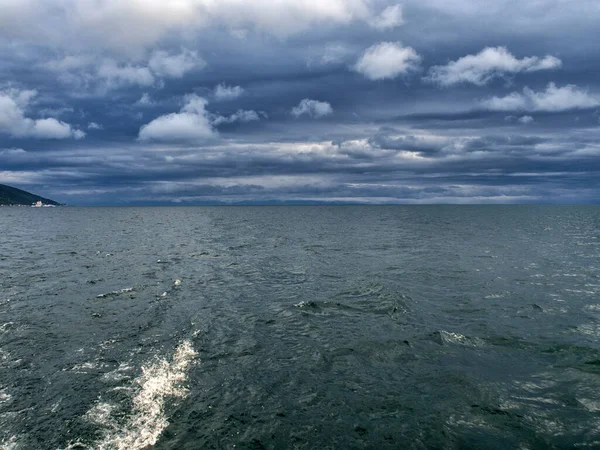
[(144, 102)]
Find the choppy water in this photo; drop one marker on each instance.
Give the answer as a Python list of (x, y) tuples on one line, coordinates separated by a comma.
[(300, 327)]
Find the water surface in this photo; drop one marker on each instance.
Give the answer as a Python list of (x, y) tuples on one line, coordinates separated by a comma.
[(300, 327)]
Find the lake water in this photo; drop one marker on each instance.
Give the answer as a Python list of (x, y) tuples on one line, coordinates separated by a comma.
[(434, 327)]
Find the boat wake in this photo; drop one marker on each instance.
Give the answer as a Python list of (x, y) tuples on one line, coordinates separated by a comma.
[(147, 419)]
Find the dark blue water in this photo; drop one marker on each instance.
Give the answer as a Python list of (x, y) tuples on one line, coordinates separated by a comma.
[(300, 327)]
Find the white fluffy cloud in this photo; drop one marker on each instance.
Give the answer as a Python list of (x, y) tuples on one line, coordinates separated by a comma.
[(390, 17), (312, 108), (14, 123), (224, 92), (491, 62), (553, 99), (191, 124), (387, 60)]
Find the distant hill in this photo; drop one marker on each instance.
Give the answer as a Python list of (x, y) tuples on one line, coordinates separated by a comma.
[(13, 196)]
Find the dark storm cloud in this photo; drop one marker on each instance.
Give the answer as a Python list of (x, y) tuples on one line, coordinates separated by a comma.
[(350, 100)]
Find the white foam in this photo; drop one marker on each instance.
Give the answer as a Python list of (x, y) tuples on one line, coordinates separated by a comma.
[(590, 404), (4, 397), (6, 326), (10, 444), (589, 329), (456, 338), (117, 292), (147, 420), (86, 367)]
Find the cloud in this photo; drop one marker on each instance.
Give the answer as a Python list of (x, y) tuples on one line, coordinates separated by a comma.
[(241, 115), (224, 92), (333, 53), (167, 65), (118, 75), (191, 124), (389, 139), (491, 62), (390, 17), (145, 101), (387, 60), (553, 99), (312, 108), (525, 120), (94, 126), (126, 25), (51, 129), (109, 73), (14, 123)]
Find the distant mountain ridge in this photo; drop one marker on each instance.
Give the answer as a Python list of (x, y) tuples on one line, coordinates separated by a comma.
[(13, 196)]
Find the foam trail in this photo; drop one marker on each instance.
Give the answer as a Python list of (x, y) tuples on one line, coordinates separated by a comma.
[(10, 444), (147, 421)]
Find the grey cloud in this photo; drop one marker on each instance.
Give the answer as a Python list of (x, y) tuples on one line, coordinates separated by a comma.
[(554, 98), (223, 92), (389, 139), (145, 100), (390, 17), (164, 64)]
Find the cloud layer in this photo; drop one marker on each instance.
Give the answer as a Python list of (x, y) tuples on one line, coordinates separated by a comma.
[(553, 99), (237, 101)]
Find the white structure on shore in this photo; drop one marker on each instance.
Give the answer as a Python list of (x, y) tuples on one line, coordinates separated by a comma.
[(39, 204)]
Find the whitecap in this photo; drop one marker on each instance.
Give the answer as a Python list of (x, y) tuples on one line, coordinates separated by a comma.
[(589, 329), (459, 339), (117, 292), (6, 326), (147, 419), (86, 367)]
